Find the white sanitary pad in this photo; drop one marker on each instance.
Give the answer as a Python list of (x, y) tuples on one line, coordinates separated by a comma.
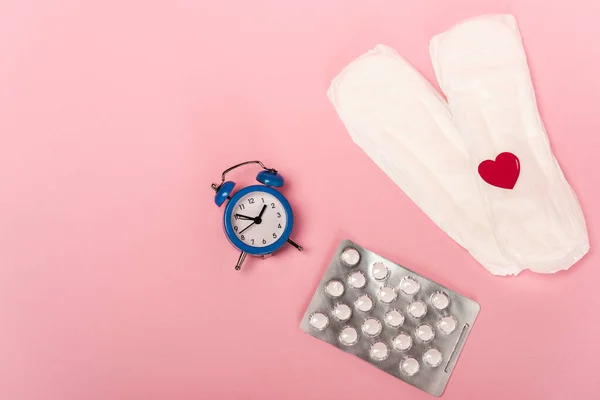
[(432, 152)]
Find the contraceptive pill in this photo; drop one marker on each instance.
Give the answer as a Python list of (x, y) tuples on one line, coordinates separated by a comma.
[(447, 324), (357, 280), (380, 271), (409, 285), (394, 318), (417, 309), (425, 333), (432, 357), (379, 351), (409, 366), (364, 303), (334, 288), (402, 341), (390, 316), (319, 321), (440, 300), (342, 312), (371, 326), (348, 336), (350, 256), (386, 294)]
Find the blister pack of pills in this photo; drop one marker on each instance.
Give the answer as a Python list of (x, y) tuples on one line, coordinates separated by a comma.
[(397, 320)]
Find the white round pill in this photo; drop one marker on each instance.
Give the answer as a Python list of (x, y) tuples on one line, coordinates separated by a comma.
[(402, 342), (425, 333), (380, 271), (342, 312), (394, 318), (334, 288), (357, 280), (409, 285), (318, 321), (379, 351), (386, 294), (350, 256), (447, 324), (409, 366), (371, 326), (348, 336), (417, 309), (440, 300), (432, 357), (364, 303)]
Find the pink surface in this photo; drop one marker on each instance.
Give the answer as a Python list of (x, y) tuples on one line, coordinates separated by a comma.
[(116, 281)]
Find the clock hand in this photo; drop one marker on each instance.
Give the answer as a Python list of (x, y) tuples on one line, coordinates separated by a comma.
[(261, 213), (240, 216), (243, 230)]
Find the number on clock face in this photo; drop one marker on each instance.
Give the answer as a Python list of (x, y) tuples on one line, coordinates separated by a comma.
[(255, 231)]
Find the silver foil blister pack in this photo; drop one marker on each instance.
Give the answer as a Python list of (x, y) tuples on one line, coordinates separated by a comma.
[(390, 316)]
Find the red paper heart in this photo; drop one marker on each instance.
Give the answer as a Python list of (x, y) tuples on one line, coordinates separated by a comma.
[(503, 172)]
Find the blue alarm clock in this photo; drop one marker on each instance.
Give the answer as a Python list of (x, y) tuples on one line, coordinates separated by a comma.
[(258, 219)]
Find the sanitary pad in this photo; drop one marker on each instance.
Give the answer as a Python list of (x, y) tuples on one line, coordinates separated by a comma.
[(481, 67), (434, 151)]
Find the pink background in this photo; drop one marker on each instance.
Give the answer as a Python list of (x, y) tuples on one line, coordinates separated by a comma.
[(116, 281)]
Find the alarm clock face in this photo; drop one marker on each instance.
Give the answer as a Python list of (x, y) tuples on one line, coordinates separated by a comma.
[(258, 220)]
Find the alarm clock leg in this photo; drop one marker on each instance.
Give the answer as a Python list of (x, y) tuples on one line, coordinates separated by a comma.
[(240, 261), (296, 245)]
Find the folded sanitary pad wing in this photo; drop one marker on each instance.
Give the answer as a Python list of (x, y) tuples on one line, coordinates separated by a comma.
[(481, 67), (405, 127)]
